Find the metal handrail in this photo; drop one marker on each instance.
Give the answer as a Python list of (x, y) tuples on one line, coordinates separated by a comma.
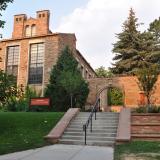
[(89, 120)]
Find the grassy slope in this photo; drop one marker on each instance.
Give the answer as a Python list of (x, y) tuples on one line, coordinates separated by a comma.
[(21, 131), (136, 147)]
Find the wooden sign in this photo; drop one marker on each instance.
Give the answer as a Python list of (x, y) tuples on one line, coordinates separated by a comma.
[(40, 101)]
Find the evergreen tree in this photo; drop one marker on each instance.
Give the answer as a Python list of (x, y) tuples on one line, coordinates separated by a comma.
[(127, 47), (154, 30), (66, 84)]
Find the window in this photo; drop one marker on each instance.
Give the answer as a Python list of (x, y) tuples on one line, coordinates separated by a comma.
[(12, 60), (36, 63), (27, 31), (86, 75), (82, 71), (33, 30)]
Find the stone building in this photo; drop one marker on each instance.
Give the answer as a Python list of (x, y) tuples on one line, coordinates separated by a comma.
[(34, 49)]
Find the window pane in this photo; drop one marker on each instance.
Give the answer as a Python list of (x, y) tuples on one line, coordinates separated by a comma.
[(36, 63), (27, 31), (33, 30), (12, 60)]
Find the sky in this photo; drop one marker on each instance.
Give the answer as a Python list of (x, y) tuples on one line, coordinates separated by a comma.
[(94, 22)]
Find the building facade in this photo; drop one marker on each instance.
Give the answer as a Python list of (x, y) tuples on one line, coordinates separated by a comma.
[(33, 50)]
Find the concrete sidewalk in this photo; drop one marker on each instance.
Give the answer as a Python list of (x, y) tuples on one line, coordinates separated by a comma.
[(63, 152)]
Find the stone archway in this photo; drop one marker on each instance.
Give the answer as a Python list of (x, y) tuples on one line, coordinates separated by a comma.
[(105, 99), (102, 93), (128, 84)]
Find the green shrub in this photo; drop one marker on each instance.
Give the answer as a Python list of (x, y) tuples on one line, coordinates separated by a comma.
[(20, 103), (115, 97), (154, 109), (144, 109), (141, 109)]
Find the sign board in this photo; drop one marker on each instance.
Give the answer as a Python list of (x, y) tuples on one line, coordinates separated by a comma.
[(40, 101)]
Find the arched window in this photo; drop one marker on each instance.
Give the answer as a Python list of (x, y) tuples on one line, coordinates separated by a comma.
[(33, 30), (27, 31)]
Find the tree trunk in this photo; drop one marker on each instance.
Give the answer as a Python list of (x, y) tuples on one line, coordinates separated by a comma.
[(148, 103)]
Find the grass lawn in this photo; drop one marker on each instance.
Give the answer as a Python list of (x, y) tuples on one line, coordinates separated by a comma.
[(25, 130), (138, 150)]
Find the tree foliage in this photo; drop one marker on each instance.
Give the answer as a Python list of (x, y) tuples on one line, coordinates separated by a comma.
[(102, 72), (66, 81), (134, 49), (154, 30), (115, 96), (3, 6), (125, 48), (147, 77), (7, 87)]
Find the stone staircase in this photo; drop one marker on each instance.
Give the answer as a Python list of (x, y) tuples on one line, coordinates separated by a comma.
[(103, 134)]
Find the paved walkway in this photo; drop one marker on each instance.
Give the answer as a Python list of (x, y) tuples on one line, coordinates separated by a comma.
[(63, 152)]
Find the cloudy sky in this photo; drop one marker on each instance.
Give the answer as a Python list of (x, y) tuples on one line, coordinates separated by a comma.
[(94, 22)]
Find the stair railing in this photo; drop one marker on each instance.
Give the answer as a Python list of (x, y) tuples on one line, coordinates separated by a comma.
[(89, 120)]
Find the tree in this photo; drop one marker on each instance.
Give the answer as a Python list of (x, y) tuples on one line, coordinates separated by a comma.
[(154, 30), (147, 77), (7, 87), (115, 96), (66, 84), (102, 72), (126, 48), (3, 6)]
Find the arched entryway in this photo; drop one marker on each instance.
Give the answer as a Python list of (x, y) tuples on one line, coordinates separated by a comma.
[(111, 97)]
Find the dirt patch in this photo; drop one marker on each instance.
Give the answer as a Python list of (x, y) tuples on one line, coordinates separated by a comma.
[(141, 156)]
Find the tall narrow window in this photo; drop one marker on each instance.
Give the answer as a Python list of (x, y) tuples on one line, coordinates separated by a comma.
[(27, 31), (33, 30), (36, 63), (12, 60)]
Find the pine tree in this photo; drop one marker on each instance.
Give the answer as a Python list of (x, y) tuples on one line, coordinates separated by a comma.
[(66, 86), (127, 47), (154, 30)]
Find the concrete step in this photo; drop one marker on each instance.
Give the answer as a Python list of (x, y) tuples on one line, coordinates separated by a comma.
[(98, 115), (93, 143), (96, 127), (96, 121), (90, 134), (106, 126), (100, 120), (112, 130), (94, 138)]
